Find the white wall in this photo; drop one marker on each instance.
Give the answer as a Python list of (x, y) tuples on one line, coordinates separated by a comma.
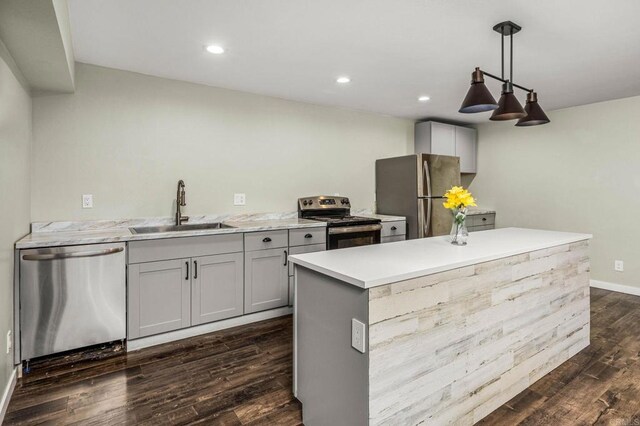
[(15, 152), (581, 172), (127, 138)]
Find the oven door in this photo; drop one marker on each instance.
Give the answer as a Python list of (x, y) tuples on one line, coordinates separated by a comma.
[(353, 236)]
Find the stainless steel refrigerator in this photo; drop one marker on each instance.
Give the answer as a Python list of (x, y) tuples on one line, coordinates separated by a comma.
[(413, 186)]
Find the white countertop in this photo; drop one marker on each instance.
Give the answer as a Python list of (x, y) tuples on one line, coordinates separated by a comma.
[(61, 238), (375, 265)]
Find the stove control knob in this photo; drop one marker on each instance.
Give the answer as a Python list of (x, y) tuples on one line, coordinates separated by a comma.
[(345, 201), (310, 202), (305, 202)]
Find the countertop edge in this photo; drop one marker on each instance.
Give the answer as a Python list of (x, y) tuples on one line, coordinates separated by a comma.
[(366, 284), (94, 237)]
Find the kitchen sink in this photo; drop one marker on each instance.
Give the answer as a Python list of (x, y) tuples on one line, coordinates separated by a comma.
[(176, 228)]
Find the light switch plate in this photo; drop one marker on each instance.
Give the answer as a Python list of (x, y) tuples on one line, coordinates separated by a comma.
[(87, 201), (9, 341), (358, 331), (239, 199)]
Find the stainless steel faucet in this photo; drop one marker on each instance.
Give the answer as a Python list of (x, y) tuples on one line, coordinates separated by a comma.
[(181, 201)]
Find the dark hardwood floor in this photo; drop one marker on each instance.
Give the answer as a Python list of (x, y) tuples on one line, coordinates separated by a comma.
[(243, 376), (237, 376)]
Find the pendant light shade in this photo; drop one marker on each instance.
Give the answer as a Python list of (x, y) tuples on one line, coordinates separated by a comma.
[(535, 114), (508, 106), (478, 98)]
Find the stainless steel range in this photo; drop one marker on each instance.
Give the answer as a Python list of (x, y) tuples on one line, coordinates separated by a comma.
[(343, 230)]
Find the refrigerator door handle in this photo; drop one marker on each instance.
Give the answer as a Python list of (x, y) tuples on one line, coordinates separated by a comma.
[(427, 176), (428, 220)]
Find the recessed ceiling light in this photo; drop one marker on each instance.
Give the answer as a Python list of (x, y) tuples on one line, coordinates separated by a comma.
[(424, 98), (215, 49), (343, 80)]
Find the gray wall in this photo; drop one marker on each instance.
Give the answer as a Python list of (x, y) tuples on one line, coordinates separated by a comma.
[(127, 138), (15, 153), (578, 173)]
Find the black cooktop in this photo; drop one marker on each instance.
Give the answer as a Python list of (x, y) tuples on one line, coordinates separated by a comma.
[(345, 220)]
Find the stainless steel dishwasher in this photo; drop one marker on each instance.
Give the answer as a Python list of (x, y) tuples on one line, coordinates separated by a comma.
[(71, 297)]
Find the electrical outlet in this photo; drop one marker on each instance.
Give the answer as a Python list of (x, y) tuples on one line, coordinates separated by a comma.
[(358, 335), (87, 201), (9, 341), (618, 265), (239, 199)]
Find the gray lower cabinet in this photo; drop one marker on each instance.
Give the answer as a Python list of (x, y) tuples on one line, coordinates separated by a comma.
[(266, 280), (217, 289), (159, 297), (392, 239)]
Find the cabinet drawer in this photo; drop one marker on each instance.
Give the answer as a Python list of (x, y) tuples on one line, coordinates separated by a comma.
[(392, 239), (305, 249), (176, 248), (306, 236), (393, 228), (480, 228), (481, 219), (266, 240)]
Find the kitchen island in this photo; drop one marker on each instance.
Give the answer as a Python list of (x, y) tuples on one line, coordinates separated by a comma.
[(450, 333)]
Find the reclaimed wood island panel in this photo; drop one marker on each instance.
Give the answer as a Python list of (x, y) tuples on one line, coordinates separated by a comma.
[(444, 347)]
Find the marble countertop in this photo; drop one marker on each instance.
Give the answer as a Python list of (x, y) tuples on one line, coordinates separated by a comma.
[(382, 217), (110, 235), (374, 265)]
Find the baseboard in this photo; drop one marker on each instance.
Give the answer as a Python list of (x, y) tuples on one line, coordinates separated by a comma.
[(145, 342), (6, 396), (620, 288)]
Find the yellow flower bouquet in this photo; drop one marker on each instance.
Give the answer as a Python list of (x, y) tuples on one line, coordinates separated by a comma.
[(458, 199)]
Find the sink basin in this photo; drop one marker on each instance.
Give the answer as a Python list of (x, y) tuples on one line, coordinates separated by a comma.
[(181, 228)]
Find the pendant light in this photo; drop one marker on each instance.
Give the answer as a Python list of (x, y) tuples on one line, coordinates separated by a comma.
[(479, 99), (535, 114), (508, 106)]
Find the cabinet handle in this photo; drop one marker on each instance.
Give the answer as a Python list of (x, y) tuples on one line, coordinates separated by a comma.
[(286, 258), (195, 269), (393, 228), (266, 240), (484, 219), (186, 277), (308, 236)]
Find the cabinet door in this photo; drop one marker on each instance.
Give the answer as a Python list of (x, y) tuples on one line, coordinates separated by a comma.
[(216, 288), (266, 280), (159, 297), (466, 149), (443, 139)]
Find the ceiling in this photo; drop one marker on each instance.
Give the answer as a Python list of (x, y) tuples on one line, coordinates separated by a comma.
[(572, 52), (36, 33)]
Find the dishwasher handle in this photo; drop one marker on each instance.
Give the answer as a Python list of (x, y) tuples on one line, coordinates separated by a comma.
[(55, 256)]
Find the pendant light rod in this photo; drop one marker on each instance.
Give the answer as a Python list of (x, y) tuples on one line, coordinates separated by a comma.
[(502, 54), (495, 77), (511, 56)]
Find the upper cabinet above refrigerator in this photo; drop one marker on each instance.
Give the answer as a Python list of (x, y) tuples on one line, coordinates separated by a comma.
[(432, 137)]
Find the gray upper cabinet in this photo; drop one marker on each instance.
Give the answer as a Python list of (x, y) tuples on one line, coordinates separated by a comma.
[(266, 280), (159, 297), (216, 288), (466, 149), (445, 139)]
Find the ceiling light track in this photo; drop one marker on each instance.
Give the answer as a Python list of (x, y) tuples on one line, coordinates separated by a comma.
[(479, 99)]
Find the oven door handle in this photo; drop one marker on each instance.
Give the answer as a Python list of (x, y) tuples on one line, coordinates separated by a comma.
[(353, 229)]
